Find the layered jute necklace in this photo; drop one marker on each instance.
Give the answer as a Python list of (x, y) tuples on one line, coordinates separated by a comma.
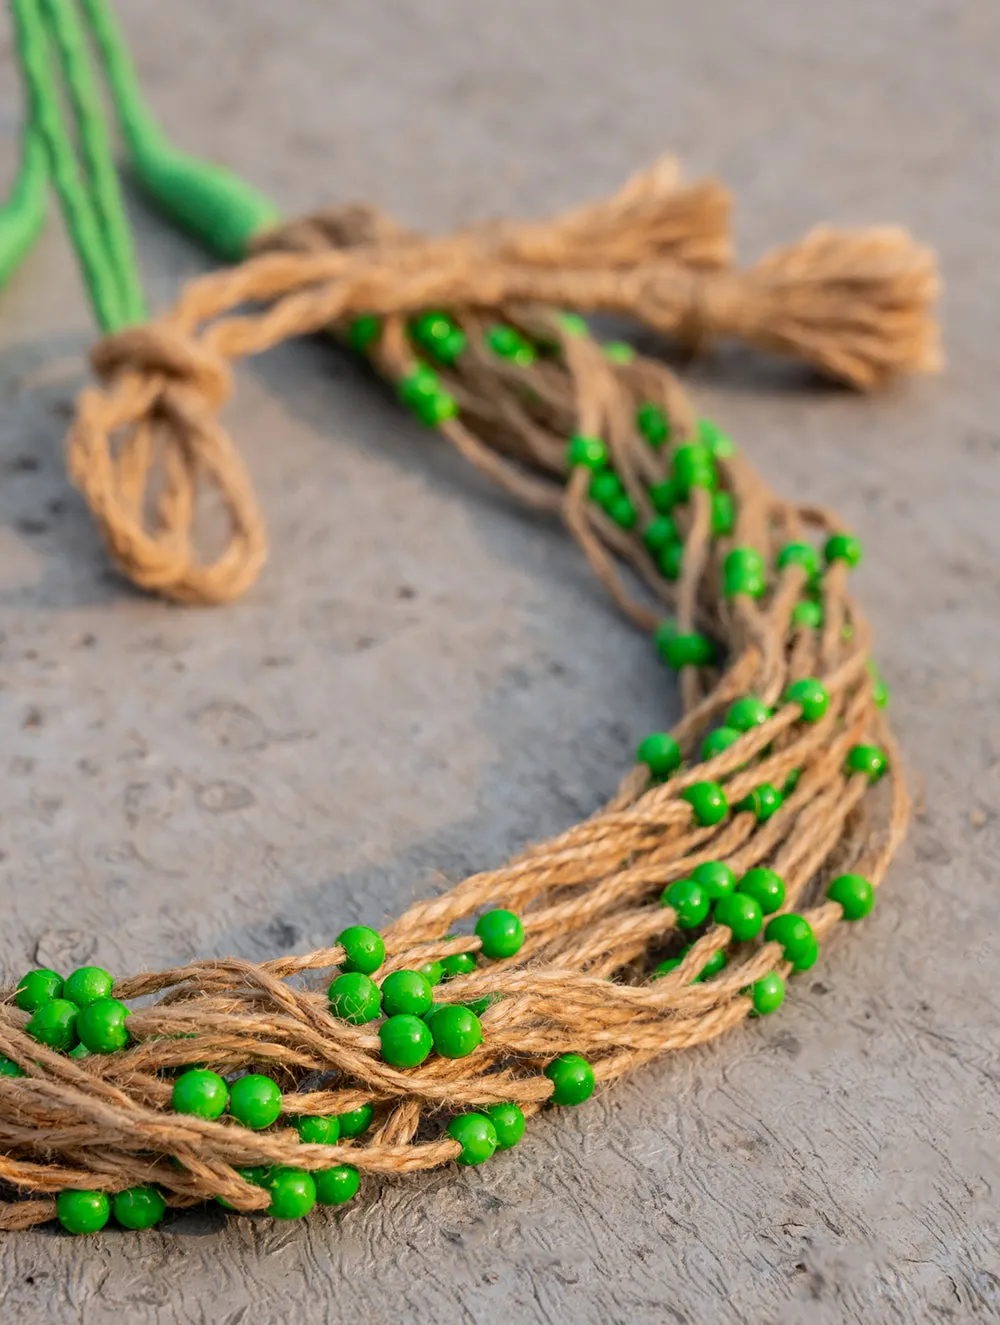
[(733, 848)]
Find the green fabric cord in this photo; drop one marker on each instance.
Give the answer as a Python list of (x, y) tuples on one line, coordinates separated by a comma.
[(214, 205), (23, 215)]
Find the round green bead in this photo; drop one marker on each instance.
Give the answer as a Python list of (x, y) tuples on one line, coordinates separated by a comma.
[(694, 467), (364, 950), (572, 1077), (791, 782), (318, 1131), (740, 913), (747, 713), (716, 878), (8, 1068), (255, 1101), (671, 561), (795, 935), (659, 534), (880, 691), (83, 1212), (259, 1175), (718, 741), (428, 328), (708, 801), (451, 348), (713, 966), (591, 452), (508, 343), (867, 759), (508, 1123), (293, 1193), (605, 487), (54, 1024), (477, 1136), (38, 987), (406, 991), (618, 351), (719, 443), (355, 1122), (337, 1185), (843, 547), (743, 573), (86, 985), (363, 332), (479, 1005), (665, 496), (688, 651), (355, 997), (807, 957), (765, 887), (762, 802), (434, 971), (573, 324), (811, 695), (723, 513), (501, 934), (652, 423), (854, 893), (139, 1207), (459, 963), (436, 409), (623, 512), (660, 753), (422, 383), (689, 900), (799, 554), (456, 1031), (101, 1026), (768, 994), (808, 613), (406, 1041), (201, 1093), (665, 967)]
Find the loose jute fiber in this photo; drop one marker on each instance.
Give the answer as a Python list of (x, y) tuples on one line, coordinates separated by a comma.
[(144, 444)]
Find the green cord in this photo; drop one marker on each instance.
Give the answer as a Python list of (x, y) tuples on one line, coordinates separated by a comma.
[(23, 215)]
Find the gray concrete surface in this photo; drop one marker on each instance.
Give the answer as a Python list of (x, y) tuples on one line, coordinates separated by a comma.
[(426, 678)]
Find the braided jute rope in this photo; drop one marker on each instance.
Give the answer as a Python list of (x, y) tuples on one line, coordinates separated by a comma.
[(855, 305)]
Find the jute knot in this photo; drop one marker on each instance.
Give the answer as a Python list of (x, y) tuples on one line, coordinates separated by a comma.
[(158, 350)]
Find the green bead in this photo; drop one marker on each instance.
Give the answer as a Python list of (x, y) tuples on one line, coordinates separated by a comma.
[(671, 561), (652, 422), (501, 934), (406, 1041), (449, 350), (880, 691), (765, 887), (665, 496), (718, 741), (355, 997), (8, 1068), (664, 968), (605, 487), (434, 971), (259, 1175), (355, 1122), (573, 324), (459, 963), (713, 966), (743, 573), (791, 782), (430, 329), (255, 1101), (201, 1093), (694, 468), (436, 409), (86, 985), (748, 712), (808, 957), (54, 1024), (456, 1031), (762, 802), (479, 1005), (317, 1131), (795, 935), (659, 534), (508, 1123), (723, 513), (38, 987), (716, 878), (689, 900), (799, 554), (573, 1078), (708, 801), (83, 1212), (854, 893), (363, 332), (406, 992), (867, 759), (768, 994), (590, 452), (477, 1136), (364, 950), (842, 547), (139, 1207), (808, 613), (337, 1185), (101, 1026), (618, 351), (420, 384), (686, 651), (660, 753), (508, 343), (293, 1193), (740, 913), (811, 695), (719, 444), (623, 512)]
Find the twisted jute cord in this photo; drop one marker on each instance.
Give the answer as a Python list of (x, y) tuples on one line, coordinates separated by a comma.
[(855, 306)]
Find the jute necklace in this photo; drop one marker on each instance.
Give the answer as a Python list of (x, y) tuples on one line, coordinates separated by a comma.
[(732, 849)]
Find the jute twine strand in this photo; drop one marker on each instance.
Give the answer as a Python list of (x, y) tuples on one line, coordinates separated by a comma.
[(855, 306)]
